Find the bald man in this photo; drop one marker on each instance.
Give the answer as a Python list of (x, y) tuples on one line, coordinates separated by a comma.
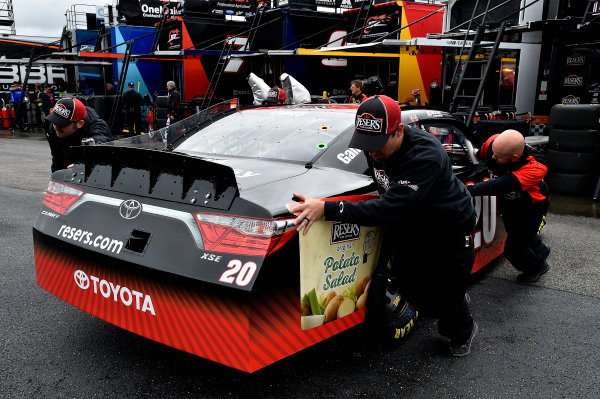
[(523, 199)]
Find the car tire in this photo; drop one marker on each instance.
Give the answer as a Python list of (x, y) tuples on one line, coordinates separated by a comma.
[(573, 162), (162, 101), (582, 116), (388, 315), (574, 140), (572, 183)]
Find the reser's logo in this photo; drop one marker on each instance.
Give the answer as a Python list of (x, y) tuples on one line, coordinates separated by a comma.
[(570, 99), (342, 232), (369, 123), (576, 59), (573, 80), (107, 289), (130, 209), (61, 110)]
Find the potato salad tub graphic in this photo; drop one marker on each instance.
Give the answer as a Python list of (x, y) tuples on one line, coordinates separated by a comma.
[(336, 264)]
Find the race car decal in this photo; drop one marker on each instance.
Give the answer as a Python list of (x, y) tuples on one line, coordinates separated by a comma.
[(347, 156), (238, 273), (107, 289), (87, 237)]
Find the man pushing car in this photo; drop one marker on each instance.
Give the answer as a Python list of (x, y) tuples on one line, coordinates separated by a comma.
[(426, 211), (73, 124)]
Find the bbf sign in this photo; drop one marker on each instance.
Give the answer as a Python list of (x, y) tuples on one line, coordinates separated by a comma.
[(38, 74)]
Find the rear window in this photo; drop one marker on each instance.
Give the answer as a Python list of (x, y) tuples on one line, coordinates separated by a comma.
[(294, 134)]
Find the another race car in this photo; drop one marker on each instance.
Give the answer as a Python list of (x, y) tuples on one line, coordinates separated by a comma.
[(183, 235)]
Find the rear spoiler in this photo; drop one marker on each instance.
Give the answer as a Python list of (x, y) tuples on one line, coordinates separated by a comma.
[(155, 174)]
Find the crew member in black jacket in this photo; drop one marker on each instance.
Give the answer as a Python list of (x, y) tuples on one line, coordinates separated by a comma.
[(173, 103), (427, 213), (73, 124), (132, 101), (523, 199)]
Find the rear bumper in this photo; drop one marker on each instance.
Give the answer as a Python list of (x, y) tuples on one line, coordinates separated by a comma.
[(244, 330)]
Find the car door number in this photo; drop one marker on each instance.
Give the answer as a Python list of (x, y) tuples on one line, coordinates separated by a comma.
[(485, 208), (238, 273)]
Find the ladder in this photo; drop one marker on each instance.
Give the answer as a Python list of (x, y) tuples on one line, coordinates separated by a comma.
[(255, 24), (226, 55), (159, 28), (361, 21), (592, 10), (219, 68), (471, 82), (124, 68)]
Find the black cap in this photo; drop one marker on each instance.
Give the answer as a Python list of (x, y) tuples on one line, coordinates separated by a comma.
[(66, 111), (131, 84), (376, 118)]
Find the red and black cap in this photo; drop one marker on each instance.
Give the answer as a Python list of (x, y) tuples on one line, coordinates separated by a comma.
[(376, 118), (276, 94), (66, 111)]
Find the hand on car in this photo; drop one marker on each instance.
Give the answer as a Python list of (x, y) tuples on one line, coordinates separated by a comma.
[(308, 212)]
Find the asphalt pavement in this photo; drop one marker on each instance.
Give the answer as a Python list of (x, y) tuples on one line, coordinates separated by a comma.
[(535, 341)]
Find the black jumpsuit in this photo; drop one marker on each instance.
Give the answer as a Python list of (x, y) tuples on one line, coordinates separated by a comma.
[(523, 200), (429, 220)]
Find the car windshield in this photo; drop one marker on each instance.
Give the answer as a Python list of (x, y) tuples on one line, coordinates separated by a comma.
[(289, 133)]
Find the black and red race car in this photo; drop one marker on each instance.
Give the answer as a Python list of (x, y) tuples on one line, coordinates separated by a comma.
[(183, 235)]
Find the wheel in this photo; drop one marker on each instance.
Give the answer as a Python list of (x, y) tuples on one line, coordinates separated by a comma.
[(388, 314), (574, 140), (573, 162), (583, 116), (572, 183)]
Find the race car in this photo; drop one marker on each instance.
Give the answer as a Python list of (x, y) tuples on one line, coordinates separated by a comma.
[(183, 235)]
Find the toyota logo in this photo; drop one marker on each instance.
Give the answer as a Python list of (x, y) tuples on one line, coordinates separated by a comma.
[(130, 209), (81, 279)]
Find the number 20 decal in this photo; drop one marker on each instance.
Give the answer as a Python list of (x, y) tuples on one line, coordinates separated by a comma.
[(244, 273), (485, 208)]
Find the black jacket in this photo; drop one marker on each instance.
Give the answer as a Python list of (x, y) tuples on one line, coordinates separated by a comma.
[(47, 102), (420, 197), (132, 101), (174, 104), (94, 128)]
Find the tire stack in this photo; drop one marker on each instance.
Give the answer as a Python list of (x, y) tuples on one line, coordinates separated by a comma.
[(161, 112), (573, 155)]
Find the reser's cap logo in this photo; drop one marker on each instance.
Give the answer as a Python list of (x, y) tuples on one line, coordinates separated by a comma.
[(369, 123), (130, 209), (63, 111), (273, 94), (81, 279)]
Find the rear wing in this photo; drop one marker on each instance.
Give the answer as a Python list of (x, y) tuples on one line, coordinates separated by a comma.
[(156, 174)]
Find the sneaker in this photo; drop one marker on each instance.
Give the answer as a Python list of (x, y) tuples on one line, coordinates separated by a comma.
[(464, 349), (533, 277), (545, 251)]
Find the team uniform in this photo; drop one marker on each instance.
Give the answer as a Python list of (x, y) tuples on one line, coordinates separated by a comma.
[(357, 99), (60, 148), (429, 221), (132, 101), (523, 198), (174, 105)]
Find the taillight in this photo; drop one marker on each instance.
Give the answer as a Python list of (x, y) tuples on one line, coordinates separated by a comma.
[(244, 236), (60, 197)]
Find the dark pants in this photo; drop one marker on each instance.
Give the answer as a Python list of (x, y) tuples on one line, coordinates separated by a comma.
[(433, 278), (524, 248), (134, 123)]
